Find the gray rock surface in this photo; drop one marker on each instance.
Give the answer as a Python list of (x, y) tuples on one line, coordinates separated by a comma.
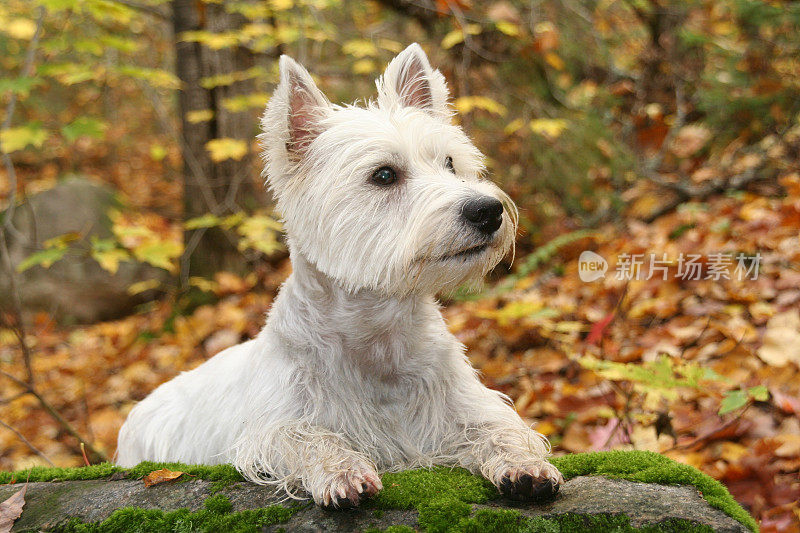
[(75, 288), (48, 504)]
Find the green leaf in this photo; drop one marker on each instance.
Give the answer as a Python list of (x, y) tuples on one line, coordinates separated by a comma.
[(13, 139), (732, 401), (205, 221), (84, 127), (759, 393), (44, 258), (20, 86)]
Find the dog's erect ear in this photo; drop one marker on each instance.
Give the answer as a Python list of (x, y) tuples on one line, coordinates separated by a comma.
[(410, 81), (295, 110)]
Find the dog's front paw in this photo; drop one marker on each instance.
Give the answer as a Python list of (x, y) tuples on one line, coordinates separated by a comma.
[(537, 482), (349, 488)]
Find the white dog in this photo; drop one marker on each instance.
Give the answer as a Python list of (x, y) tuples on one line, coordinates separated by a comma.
[(355, 372)]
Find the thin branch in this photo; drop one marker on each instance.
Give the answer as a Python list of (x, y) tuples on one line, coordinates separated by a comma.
[(27, 67), (27, 443), (47, 406)]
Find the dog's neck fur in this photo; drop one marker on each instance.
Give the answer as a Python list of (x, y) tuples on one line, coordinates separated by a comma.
[(322, 313)]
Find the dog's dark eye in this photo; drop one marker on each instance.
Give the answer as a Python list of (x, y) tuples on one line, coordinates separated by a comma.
[(384, 176), (448, 162)]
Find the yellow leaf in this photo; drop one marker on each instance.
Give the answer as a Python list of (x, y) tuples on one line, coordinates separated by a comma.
[(465, 104), (208, 220), (205, 285), (159, 253), (554, 60), (202, 115), (238, 104), (513, 126), (456, 36), (226, 148), (143, 286), (364, 66), (281, 5), (452, 39), (260, 232), (509, 28), (14, 139), (392, 46), (21, 29), (160, 476), (109, 259), (360, 48), (548, 127)]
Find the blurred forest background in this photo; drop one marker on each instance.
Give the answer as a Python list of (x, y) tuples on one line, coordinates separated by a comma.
[(137, 240)]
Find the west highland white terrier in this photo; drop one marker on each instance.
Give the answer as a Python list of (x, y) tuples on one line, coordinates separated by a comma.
[(355, 372)]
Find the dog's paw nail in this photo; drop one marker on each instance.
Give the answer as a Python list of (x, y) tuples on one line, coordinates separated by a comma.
[(527, 487)]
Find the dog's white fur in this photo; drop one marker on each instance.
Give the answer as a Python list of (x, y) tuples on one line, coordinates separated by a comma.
[(355, 371)]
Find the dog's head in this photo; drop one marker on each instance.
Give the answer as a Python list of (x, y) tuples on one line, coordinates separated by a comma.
[(389, 196)]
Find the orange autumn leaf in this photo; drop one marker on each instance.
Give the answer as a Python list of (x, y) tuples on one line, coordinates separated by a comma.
[(160, 476)]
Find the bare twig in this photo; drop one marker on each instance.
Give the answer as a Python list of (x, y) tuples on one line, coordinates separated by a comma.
[(47, 406), (27, 67), (27, 443)]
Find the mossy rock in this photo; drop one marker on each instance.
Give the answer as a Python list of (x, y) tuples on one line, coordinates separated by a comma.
[(605, 491)]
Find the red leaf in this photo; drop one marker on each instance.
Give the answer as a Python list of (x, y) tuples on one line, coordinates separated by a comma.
[(596, 333)]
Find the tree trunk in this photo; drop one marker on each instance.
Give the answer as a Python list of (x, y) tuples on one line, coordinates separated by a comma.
[(222, 187)]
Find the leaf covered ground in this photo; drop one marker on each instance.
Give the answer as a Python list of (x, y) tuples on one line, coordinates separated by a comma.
[(620, 364)]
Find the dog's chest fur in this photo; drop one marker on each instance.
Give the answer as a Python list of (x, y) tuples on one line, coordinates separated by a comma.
[(375, 369)]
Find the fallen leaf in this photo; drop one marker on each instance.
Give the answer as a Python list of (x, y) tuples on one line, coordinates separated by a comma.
[(160, 476), (690, 140), (596, 333), (11, 509), (782, 339)]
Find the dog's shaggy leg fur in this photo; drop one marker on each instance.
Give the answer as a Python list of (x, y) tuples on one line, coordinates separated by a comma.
[(514, 459), (299, 455)]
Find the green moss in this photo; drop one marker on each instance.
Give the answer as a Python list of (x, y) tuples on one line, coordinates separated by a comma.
[(222, 473), (649, 467), (512, 521), (219, 504), (409, 489), (392, 529), (439, 515), (574, 523), (42, 473), (440, 494), (498, 520), (216, 516), (211, 473)]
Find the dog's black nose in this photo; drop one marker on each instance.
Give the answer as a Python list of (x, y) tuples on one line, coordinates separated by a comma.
[(483, 213)]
